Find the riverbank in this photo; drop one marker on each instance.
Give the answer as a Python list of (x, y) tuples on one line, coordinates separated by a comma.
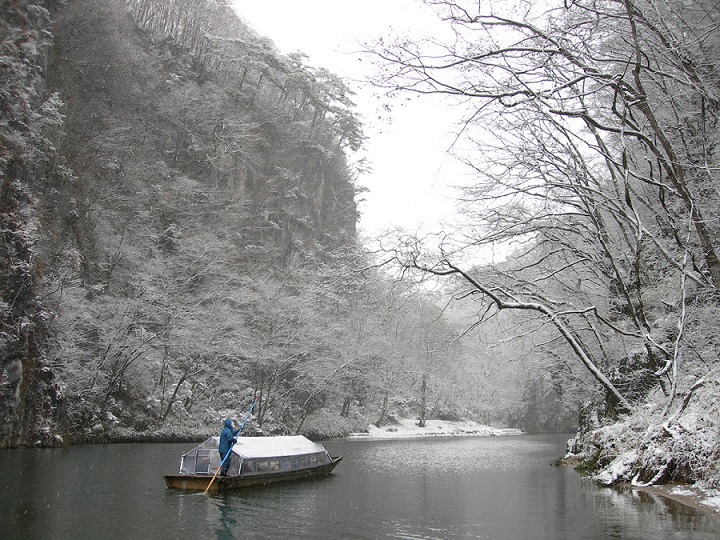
[(408, 428), (685, 494)]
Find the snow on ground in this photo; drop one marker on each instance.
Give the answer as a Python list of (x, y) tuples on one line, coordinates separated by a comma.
[(407, 428), (682, 492), (618, 469), (712, 502)]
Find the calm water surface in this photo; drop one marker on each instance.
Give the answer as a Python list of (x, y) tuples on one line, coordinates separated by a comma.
[(492, 488)]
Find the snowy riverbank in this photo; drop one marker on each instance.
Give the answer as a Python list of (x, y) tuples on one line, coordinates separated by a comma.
[(688, 494), (685, 494), (707, 500), (407, 429)]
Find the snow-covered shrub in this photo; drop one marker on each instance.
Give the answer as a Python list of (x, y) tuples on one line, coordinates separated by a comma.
[(652, 446)]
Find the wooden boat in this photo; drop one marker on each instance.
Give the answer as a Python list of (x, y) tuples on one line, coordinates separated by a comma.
[(254, 461)]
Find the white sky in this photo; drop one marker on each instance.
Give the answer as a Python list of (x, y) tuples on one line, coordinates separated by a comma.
[(407, 154)]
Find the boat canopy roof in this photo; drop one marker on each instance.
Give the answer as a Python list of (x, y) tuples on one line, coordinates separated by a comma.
[(263, 447), (289, 445)]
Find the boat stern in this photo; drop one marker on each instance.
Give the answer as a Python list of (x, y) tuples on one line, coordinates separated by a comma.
[(190, 483)]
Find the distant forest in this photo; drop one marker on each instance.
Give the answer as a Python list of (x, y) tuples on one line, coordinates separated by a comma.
[(179, 203)]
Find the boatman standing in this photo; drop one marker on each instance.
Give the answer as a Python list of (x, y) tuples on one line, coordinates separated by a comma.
[(227, 439)]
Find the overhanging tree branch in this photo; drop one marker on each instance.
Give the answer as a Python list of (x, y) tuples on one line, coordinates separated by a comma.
[(499, 297)]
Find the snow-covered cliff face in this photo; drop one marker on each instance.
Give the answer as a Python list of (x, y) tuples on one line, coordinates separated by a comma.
[(29, 396), (129, 156)]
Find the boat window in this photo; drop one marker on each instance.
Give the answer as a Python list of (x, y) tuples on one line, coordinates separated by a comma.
[(202, 463), (274, 464), (286, 465), (263, 465), (304, 462), (296, 463), (188, 464), (314, 459), (248, 466)]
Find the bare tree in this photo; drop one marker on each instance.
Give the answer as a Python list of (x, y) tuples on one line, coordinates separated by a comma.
[(579, 122)]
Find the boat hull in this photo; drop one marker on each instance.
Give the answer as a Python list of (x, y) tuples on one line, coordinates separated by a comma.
[(229, 483)]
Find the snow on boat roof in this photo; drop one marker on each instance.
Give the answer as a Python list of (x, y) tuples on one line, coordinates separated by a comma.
[(280, 446)]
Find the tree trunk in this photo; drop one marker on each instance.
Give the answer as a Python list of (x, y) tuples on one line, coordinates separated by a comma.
[(383, 410), (423, 400), (345, 410)]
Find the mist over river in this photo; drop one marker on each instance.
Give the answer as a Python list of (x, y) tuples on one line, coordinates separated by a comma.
[(464, 487)]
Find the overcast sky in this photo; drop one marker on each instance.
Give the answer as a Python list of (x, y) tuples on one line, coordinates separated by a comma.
[(406, 151)]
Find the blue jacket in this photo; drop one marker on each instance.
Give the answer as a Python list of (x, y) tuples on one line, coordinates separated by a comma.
[(227, 439)]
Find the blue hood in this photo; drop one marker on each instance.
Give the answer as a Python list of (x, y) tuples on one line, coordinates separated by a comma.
[(228, 423)]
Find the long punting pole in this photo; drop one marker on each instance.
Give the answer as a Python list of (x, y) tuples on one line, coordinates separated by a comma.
[(230, 451)]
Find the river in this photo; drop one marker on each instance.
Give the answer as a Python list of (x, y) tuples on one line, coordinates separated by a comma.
[(472, 487)]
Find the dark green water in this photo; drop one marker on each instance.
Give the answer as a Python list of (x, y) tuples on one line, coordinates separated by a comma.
[(493, 488)]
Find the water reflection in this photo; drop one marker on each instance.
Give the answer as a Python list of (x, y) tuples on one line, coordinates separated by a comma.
[(493, 488), (226, 519)]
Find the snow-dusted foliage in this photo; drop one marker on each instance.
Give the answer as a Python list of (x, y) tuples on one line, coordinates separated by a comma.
[(647, 447)]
